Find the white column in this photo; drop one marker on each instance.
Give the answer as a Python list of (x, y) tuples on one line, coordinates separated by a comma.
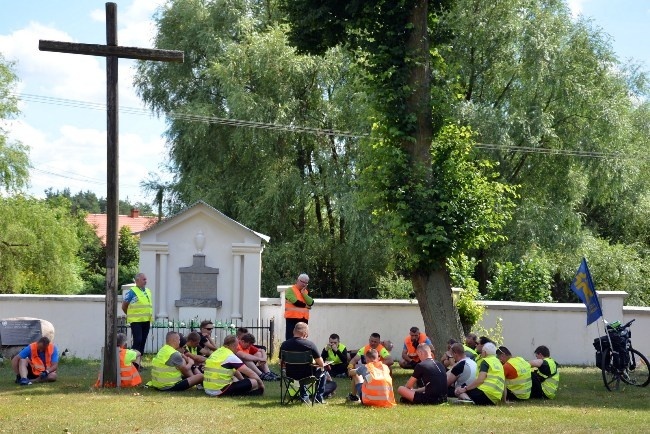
[(236, 286), (162, 287)]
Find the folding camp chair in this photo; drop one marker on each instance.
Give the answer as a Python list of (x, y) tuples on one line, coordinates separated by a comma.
[(294, 364)]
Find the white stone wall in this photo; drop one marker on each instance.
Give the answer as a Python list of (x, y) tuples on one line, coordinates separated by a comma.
[(79, 322)]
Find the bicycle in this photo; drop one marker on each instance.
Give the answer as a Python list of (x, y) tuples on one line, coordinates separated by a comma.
[(619, 361)]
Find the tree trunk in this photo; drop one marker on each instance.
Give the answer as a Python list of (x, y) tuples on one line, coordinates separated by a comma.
[(441, 320)]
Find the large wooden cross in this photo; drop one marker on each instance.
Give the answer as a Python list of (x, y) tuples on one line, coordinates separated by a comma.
[(112, 52)]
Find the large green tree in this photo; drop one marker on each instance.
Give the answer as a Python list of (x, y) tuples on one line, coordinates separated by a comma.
[(14, 160), (297, 187), (437, 201)]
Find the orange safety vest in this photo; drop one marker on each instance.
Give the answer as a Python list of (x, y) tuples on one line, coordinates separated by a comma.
[(129, 375), (377, 388), (293, 311), (379, 348), (411, 349), (35, 361)]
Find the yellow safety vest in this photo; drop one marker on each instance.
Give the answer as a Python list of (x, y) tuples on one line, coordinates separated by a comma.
[(470, 352), (162, 375), (550, 384), (522, 385), (334, 357), (215, 376), (495, 380), (142, 309)]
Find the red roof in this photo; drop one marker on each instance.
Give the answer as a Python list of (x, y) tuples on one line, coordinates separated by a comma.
[(133, 221)]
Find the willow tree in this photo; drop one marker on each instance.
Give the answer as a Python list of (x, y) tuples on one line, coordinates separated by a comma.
[(435, 200)]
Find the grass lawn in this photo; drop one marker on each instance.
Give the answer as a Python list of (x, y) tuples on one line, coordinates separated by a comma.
[(71, 405)]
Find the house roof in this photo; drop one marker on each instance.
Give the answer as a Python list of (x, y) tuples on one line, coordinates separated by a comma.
[(166, 221), (134, 221)]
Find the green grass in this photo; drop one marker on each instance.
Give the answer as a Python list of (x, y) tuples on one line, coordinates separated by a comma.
[(72, 405)]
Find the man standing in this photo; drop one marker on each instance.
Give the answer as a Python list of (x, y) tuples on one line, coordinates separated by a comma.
[(373, 381), (409, 352), (300, 343), (138, 307), (546, 378), (38, 361), (517, 373), (171, 372), (297, 304), (429, 372), (227, 375)]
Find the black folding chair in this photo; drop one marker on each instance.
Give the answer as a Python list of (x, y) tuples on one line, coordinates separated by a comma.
[(297, 364)]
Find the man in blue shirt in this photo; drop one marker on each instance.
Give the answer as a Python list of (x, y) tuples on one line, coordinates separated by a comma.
[(38, 361)]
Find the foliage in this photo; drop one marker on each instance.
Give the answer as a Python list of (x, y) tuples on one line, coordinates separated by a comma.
[(87, 201), (528, 280), (38, 246), (469, 310), (394, 287), (14, 160), (494, 333)]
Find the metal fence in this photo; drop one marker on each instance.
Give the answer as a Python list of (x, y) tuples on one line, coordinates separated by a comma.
[(263, 330)]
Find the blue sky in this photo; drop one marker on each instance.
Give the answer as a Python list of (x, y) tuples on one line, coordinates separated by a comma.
[(68, 145)]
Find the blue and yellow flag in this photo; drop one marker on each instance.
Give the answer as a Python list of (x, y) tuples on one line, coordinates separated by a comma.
[(584, 288)]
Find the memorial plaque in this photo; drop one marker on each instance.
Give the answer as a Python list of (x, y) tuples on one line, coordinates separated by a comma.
[(19, 331)]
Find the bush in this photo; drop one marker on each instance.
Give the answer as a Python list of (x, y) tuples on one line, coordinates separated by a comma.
[(529, 280), (460, 272), (394, 287)]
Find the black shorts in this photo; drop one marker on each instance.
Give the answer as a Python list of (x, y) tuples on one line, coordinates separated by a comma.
[(30, 373), (479, 397), (242, 387), (179, 387), (421, 398)]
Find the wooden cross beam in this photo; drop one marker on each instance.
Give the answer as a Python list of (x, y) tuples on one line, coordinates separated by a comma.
[(112, 52)]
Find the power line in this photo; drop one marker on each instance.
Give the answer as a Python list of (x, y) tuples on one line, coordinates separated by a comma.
[(310, 130)]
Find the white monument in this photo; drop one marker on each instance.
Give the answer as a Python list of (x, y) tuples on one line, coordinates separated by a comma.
[(201, 263)]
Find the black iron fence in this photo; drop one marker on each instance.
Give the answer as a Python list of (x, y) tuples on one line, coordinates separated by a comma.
[(263, 330)]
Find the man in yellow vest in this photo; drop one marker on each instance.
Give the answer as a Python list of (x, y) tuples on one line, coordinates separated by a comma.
[(227, 375), (337, 354), (297, 304), (138, 307), (517, 373), (487, 388), (170, 371), (373, 382), (546, 378), (410, 356)]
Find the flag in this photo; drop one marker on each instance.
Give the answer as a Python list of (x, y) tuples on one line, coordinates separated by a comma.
[(584, 288)]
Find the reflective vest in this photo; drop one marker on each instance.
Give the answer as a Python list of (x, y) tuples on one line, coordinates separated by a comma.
[(470, 352), (495, 380), (379, 349), (162, 375), (142, 309), (550, 383), (129, 375), (377, 388), (522, 385), (334, 357), (293, 311), (35, 361), (411, 350), (215, 376)]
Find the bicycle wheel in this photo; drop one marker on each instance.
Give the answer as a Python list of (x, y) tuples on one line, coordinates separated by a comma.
[(611, 376), (637, 372)]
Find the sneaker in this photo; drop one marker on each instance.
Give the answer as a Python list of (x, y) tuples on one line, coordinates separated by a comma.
[(305, 400), (17, 379), (199, 387), (319, 401), (353, 398), (464, 401), (25, 382), (275, 376)]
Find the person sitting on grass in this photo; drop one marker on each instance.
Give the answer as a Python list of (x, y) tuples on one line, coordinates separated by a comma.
[(227, 375), (254, 358), (38, 361), (373, 382), (129, 375), (410, 356), (518, 375), (171, 372), (462, 372), (487, 388), (335, 353), (429, 373), (191, 350), (546, 378)]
